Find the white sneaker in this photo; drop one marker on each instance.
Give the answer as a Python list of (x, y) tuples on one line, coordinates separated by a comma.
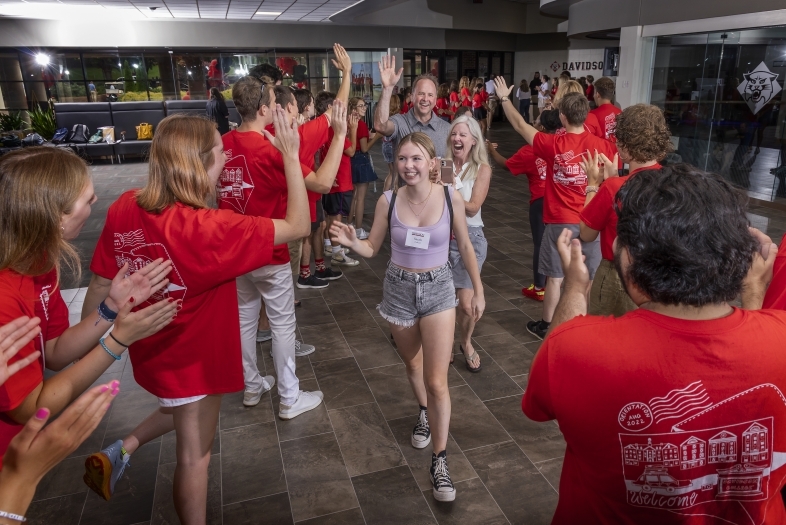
[(329, 251), (301, 349), (251, 399), (361, 234), (343, 260), (305, 401)]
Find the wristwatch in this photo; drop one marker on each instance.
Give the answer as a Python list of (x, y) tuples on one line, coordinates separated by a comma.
[(590, 189), (505, 98)]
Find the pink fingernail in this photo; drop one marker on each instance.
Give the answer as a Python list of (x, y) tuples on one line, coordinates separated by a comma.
[(115, 391), (114, 384), (42, 413), (104, 389)]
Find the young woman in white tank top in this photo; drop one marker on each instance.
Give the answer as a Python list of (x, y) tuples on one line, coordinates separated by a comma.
[(419, 302)]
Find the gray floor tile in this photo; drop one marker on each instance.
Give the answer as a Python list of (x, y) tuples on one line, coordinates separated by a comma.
[(65, 510), (309, 423), (539, 441), (234, 414), (372, 348), (551, 470), (366, 442), (64, 479), (342, 383), (352, 316), (272, 509), (345, 517), (392, 391), (316, 476), (473, 505), (471, 423), (328, 340), (251, 464), (163, 506), (491, 382), (403, 501)]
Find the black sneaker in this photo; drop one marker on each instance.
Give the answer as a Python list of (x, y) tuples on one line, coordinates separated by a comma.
[(329, 274), (421, 434), (443, 488), (312, 281), (538, 328)]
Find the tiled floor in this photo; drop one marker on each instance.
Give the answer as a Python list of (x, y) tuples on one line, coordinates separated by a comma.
[(350, 461)]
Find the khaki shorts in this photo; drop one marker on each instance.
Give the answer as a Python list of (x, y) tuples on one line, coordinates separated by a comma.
[(608, 295)]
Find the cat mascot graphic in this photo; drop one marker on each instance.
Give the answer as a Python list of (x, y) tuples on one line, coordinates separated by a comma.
[(759, 87)]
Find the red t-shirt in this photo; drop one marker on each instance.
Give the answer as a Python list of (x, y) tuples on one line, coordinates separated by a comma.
[(405, 107), (454, 99), (199, 352), (564, 196), (592, 125), (776, 293), (34, 297), (484, 95), (313, 135), (344, 176), (467, 97), (590, 92), (525, 162), (599, 214), (361, 134), (666, 420), (442, 103), (477, 101), (606, 115), (253, 181)]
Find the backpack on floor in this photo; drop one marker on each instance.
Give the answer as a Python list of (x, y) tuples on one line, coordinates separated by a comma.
[(60, 135), (79, 134)]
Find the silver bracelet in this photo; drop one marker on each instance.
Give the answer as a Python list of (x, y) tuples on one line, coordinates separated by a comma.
[(11, 516)]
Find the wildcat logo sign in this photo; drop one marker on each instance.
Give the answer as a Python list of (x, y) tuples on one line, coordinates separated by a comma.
[(759, 87)]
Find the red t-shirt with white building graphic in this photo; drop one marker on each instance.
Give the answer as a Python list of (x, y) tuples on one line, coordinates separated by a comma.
[(607, 117), (525, 162), (199, 352), (668, 421), (565, 195)]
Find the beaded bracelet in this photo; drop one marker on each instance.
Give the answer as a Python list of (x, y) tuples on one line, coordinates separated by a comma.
[(11, 516), (108, 351), (105, 313)]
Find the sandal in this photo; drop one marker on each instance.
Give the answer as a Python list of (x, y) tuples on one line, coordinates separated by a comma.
[(470, 359)]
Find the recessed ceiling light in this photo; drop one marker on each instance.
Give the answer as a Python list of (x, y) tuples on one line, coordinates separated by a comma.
[(269, 13)]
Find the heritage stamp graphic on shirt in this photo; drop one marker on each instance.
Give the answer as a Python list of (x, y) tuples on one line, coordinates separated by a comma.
[(568, 172), (234, 184), (132, 248), (44, 297), (711, 462), (610, 125), (542, 168)]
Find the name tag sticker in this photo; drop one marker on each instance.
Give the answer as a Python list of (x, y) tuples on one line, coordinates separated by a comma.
[(417, 239)]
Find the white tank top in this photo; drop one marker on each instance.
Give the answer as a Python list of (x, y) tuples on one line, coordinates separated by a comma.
[(465, 189)]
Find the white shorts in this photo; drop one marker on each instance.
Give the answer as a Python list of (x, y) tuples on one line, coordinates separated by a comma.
[(178, 401)]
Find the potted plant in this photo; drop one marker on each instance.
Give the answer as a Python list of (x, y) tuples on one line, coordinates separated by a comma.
[(13, 123), (42, 121)]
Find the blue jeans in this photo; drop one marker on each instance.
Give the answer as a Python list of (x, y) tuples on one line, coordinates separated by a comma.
[(524, 109)]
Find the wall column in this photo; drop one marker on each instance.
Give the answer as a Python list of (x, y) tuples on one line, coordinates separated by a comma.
[(635, 71)]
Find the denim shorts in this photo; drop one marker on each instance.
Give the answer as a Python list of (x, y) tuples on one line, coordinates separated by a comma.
[(480, 244), (408, 296)]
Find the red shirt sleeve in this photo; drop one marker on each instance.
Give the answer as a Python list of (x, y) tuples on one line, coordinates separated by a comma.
[(543, 146), (519, 162), (776, 293), (536, 403), (362, 131), (596, 213), (58, 316), (313, 134)]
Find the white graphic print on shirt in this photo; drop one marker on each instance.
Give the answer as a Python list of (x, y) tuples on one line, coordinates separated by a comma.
[(44, 297), (132, 248), (568, 171), (542, 168), (610, 125), (235, 185), (712, 461)]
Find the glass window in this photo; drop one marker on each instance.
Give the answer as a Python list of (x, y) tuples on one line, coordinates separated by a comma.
[(160, 76), (70, 92), (12, 96), (721, 96), (9, 67), (192, 75), (294, 66), (134, 79)]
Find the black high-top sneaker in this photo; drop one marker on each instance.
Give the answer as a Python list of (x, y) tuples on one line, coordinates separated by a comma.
[(443, 488)]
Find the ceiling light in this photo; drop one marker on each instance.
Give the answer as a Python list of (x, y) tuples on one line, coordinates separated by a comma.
[(42, 59), (268, 13), (67, 72)]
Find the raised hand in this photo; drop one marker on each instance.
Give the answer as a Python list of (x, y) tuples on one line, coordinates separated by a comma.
[(387, 71), (502, 88), (755, 284), (492, 145), (140, 285), (339, 120), (13, 337), (36, 450), (342, 61), (287, 139), (342, 234), (589, 163), (130, 326), (353, 122), (576, 273), (610, 166)]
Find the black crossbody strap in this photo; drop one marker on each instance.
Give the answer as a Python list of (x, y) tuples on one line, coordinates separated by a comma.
[(449, 202), (390, 208)]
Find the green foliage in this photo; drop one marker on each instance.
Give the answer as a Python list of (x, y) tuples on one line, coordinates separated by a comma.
[(42, 121), (130, 96), (12, 121)]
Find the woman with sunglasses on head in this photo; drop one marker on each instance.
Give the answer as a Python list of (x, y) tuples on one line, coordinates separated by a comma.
[(418, 298), (197, 359)]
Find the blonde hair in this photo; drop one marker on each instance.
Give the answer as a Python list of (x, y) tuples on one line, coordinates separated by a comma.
[(422, 141), (180, 155), (478, 155), (38, 186), (395, 105), (464, 83), (565, 87)]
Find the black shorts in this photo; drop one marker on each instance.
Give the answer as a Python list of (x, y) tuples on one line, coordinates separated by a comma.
[(320, 216), (479, 113), (337, 203)]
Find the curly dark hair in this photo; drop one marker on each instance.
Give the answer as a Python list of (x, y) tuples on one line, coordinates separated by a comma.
[(642, 131), (267, 70), (323, 101), (687, 236)]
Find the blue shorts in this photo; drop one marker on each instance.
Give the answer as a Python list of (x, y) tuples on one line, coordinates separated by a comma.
[(408, 296)]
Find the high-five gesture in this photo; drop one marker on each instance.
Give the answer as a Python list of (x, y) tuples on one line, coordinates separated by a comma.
[(140, 285), (502, 89), (287, 139), (339, 122), (387, 71), (342, 61)]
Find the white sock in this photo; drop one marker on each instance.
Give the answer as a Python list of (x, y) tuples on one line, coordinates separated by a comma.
[(336, 250), (327, 242)]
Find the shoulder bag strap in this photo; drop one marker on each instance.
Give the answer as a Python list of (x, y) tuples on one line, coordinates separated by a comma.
[(391, 205), (449, 202)]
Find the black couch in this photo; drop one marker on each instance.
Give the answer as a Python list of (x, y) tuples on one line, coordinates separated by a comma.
[(93, 115), (126, 116), (193, 107)]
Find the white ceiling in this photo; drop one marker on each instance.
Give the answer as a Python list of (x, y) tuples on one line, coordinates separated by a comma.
[(272, 10)]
